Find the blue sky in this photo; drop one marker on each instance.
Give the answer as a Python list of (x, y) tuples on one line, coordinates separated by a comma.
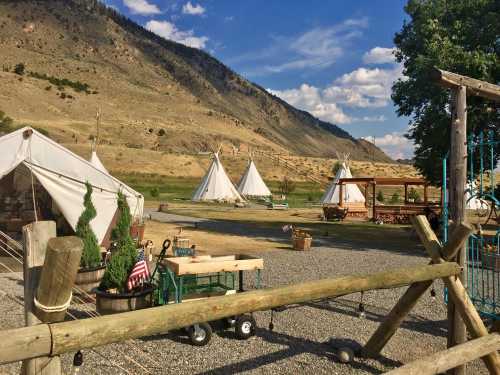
[(331, 58)]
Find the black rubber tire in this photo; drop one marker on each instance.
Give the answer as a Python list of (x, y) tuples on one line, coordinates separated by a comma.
[(245, 326), (202, 340)]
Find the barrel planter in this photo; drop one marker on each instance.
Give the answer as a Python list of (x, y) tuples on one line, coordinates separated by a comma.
[(302, 243), (112, 303), (87, 279)]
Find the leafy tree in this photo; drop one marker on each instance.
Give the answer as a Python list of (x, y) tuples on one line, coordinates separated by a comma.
[(5, 123), (19, 69), (286, 186), (395, 197), (125, 255), (155, 192), (460, 36), (380, 196), (413, 194), (336, 167), (91, 255)]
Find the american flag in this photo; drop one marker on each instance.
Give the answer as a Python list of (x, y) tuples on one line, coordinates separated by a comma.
[(140, 272)]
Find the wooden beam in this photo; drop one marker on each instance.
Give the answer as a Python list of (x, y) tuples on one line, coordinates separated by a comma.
[(447, 359), (374, 202), (458, 239), (457, 292), (458, 181), (341, 194), (386, 330), (474, 86), (393, 321), (87, 333), (35, 238), (58, 277)]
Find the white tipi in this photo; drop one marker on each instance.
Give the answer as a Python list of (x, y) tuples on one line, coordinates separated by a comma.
[(96, 162), (252, 184), (216, 185), (351, 192)]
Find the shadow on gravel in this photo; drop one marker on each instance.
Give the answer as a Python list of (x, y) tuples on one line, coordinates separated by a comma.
[(413, 322), (297, 346), (346, 236)]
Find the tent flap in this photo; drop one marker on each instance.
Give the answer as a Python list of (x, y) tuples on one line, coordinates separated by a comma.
[(63, 174)]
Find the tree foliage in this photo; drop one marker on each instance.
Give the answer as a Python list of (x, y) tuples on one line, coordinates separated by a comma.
[(286, 186), (461, 36), (380, 196), (19, 69), (125, 254), (91, 254), (414, 195), (395, 197)]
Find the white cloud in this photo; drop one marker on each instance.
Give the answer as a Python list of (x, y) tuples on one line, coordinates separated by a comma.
[(309, 98), (364, 87), (395, 144), (317, 48), (169, 31), (195, 10), (141, 7), (379, 55), (361, 88)]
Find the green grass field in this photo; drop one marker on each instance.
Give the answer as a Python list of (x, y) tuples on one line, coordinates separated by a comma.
[(182, 188)]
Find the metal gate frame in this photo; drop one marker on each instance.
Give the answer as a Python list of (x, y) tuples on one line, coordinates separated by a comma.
[(483, 252)]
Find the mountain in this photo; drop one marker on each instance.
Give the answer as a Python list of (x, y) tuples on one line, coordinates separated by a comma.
[(73, 56)]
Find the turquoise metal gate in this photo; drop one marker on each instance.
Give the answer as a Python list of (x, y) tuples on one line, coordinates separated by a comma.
[(483, 248)]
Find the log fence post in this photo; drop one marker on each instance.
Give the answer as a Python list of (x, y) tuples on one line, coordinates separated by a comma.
[(35, 238)]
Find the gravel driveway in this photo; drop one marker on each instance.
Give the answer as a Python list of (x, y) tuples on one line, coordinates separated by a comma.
[(304, 337)]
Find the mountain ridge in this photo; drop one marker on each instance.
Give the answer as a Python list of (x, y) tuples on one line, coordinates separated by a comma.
[(186, 94)]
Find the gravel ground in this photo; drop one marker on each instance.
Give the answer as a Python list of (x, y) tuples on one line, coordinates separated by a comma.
[(304, 337)]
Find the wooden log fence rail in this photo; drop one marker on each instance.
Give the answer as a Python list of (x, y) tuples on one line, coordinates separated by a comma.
[(447, 359), (57, 338)]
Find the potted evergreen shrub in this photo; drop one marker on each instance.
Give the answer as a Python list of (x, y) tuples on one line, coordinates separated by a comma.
[(91, 266), (113, 295)]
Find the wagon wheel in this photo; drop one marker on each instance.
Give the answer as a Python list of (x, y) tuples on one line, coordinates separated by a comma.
[(200, 334), (484, 212)]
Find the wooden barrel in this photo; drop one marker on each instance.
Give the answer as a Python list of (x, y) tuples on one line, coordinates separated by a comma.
[(90, 278), (110, 303)]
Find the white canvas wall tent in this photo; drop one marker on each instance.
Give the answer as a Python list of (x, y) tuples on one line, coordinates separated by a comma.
[(216, 185), (350, 193), (63, 175), (252, 184), (96, 162), (472, 201)]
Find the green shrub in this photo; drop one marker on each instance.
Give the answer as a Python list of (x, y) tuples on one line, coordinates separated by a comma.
[(413, 194), (395, 197), (286, 186), (124, 257), (380, 196), (19, 69), (155, 192), (336, 167), (91, 255)]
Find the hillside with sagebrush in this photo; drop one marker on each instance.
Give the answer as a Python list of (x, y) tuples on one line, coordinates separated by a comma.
[(63, 59)]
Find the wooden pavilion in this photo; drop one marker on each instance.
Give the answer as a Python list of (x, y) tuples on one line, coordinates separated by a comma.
[(395, 213)]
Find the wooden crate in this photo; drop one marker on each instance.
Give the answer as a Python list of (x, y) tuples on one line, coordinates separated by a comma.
[(207, 264)]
